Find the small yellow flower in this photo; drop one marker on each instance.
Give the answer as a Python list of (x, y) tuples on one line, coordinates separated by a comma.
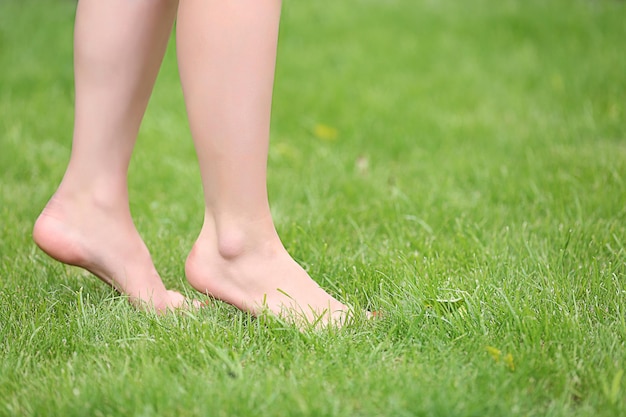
[(508, 361), (325, 132), (494, 352)]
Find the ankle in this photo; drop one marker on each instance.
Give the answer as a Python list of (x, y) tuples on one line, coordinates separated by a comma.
[(232, 245), (98, 197), (235, 242)]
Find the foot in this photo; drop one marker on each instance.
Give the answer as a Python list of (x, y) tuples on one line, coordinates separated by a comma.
[(261, 277), (103, 240)]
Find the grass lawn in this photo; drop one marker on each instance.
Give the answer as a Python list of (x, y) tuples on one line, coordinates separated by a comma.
[(421, 150)]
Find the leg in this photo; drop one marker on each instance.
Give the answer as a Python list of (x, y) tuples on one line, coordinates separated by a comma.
[(226, 53), (118, 49)]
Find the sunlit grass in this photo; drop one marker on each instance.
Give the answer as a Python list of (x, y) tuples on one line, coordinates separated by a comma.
[(460, 166)]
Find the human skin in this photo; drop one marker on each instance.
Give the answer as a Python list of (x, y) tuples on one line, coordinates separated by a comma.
[(226, 55)]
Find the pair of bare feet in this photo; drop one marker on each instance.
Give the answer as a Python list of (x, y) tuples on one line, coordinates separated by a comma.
[(249, 270)]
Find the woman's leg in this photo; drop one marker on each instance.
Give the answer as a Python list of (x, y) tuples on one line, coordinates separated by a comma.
[(118, 49), (226, 54)]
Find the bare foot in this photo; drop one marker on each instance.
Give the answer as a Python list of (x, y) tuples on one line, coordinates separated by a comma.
[(103, 240), (257, 278)]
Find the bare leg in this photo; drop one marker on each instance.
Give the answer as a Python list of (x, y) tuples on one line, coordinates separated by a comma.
[(226, 53), (118, 48)]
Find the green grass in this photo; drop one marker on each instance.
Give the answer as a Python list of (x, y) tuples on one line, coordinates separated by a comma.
[(472, 149)]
